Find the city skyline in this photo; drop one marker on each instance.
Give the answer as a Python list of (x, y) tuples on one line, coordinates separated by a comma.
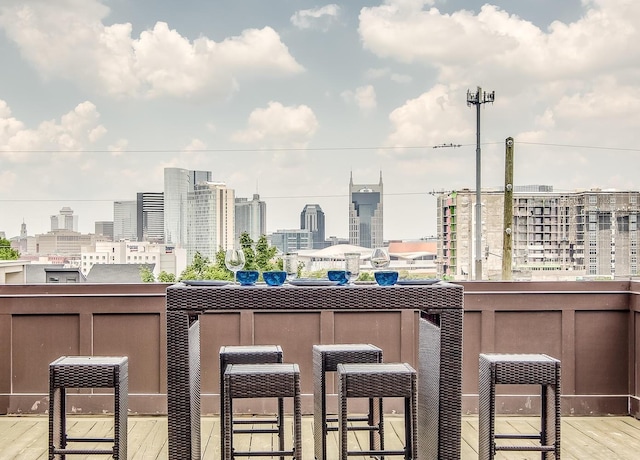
[(285, 99)]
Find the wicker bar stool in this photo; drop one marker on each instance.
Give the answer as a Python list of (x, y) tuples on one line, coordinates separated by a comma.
[(519, 369), (272, 380), (87, 372), (326, 359), (250, 354), (379, 380)]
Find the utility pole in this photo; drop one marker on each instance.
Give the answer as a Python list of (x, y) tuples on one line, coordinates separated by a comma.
[(478, 98), (508, 210)]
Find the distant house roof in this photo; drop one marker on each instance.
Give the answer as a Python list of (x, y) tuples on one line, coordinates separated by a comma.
[(116, 273), (336, 251), (412, 249), (36, 273)]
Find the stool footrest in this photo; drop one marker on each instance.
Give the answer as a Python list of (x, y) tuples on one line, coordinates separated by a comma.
[(266, 453), (376, 452), (82, 452), (89, 439), (258, 430), (527, 448), (255, 421), (517, 436)]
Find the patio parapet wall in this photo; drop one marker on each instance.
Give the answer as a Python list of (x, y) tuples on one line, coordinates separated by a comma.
[(593, 327)]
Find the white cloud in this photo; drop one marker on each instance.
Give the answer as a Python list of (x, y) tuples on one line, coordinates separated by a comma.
[(464, 46), (433, 118), (320, 18), (364, 97), (68, 39), (75, 131), (279, 126)]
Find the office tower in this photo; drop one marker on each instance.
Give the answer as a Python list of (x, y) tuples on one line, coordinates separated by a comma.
[(365, 214), (251, 217), (105, 228), (554, 235), (210, 212), (125, 221), (150, 217), (178, 183), (292, 240), (65, 220), (312, 219)]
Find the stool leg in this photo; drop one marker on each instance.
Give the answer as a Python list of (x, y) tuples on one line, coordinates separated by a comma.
[(408, 430), (63, 420), (281, 425), (297, 421), (342, 420), (228, 421)]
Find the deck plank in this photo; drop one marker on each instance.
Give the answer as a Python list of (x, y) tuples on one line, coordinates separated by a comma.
[(26, 437)]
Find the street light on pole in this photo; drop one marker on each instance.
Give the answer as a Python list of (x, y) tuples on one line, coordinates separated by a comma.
[(478, 98)]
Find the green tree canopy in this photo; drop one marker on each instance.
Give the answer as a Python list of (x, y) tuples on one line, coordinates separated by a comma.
[(6, 251)]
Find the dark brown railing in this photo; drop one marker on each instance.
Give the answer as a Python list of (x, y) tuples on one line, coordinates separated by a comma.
[(592, 327)]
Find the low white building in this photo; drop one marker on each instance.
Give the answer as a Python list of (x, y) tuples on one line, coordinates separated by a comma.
[(166, 257)]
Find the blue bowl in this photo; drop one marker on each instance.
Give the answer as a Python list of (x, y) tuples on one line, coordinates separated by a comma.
[(275, 278), (247, 277), (338, 275), (386, 278)]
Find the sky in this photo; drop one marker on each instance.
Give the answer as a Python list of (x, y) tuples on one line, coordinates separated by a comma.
[(289, 98)]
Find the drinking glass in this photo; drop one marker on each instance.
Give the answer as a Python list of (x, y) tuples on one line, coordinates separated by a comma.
[(352, 266), (234, 260), (290, 265), (380, 258)]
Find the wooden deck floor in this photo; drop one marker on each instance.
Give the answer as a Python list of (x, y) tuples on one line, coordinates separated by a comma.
[(25, 438)]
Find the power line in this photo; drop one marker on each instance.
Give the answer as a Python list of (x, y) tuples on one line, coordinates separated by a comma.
[(97, 200)]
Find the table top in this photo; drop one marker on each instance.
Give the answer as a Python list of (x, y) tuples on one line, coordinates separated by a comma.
[(441, 295)]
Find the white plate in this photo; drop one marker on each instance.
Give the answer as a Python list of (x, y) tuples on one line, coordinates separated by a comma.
[(312, 282), (416, 282), (205, 282)]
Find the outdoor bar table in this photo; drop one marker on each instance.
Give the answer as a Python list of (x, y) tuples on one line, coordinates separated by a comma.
[(440, 350)]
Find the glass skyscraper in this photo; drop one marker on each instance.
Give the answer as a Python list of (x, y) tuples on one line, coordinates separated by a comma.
[(251, 217), (312, 219), (150, 217), (365, 214), (178, 183)]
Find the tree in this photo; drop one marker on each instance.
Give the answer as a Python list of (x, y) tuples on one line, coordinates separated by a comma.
[(146, 275), (6, 251), (246, 243), (164, 277), (197, 269), (265, 254)]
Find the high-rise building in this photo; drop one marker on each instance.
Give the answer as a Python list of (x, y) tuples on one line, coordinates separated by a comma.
[(65, 220), (312, 219), (150, 217), (178, 183), (291, 240), (210, 213), (365, 214), (104, 227), (251, 217), (554, 235), (125, 220)]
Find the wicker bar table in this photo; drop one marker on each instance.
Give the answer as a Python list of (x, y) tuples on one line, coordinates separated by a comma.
[(440, 350)]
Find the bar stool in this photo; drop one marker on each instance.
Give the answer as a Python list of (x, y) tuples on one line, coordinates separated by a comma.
[(250, 354), (379, 380), (515, 369), (326, 359), (87, 372), (272, 380)]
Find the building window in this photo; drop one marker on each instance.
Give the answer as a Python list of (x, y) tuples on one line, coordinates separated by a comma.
[(593, 199)]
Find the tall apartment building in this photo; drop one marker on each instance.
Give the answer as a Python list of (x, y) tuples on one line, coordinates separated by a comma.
[(312, 219), (65, 220), (125, 220), (555, 235), (250, 217), (178, 183), (211, 215), (150, 217), (365, 214)]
